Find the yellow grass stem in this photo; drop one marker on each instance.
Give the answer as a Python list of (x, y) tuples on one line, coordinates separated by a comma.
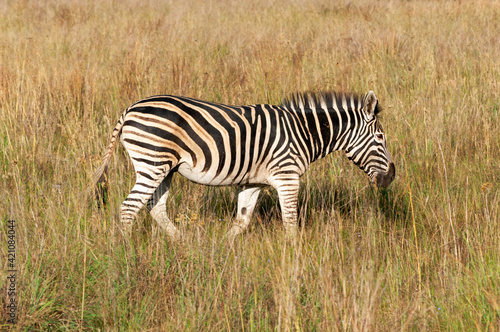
[(84, 274), (415, 234)]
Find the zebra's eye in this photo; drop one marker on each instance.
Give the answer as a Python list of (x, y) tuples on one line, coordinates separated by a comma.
[(379, 136)]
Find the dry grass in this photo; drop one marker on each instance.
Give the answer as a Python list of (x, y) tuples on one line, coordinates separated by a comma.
[(422, 255)]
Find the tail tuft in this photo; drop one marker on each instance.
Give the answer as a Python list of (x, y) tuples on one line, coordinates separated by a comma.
[(100, 188)]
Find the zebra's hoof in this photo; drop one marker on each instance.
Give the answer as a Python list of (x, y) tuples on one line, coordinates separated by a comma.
[(232, 234), (175, 236), (126, 229), (291, 233)]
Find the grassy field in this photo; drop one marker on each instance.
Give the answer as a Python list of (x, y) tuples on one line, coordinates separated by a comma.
[(423, 255)]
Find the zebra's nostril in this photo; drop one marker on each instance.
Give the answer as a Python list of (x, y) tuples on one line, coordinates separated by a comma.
[(392, 171), (385, 179)]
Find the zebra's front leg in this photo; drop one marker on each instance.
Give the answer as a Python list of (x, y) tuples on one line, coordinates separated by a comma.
[(157, 207), (287, 186), (247, 199)]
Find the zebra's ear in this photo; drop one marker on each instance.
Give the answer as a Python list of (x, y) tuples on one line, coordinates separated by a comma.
[(370, 105)]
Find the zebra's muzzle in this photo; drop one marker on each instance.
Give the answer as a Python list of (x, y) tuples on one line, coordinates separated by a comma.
[(384, 179)]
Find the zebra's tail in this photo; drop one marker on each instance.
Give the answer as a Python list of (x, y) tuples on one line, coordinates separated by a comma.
[(100, 177)]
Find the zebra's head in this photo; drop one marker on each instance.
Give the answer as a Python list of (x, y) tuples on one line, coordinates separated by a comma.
[(367, 147)]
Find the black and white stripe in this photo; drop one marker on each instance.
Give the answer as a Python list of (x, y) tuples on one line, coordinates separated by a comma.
[(250, 146)]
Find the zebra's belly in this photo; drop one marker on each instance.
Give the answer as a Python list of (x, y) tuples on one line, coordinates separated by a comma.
[(211, 179)]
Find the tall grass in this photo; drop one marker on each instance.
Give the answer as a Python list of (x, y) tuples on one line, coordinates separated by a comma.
[(422, 255)]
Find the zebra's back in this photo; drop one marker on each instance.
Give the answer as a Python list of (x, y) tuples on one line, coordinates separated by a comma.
[(208, 143)]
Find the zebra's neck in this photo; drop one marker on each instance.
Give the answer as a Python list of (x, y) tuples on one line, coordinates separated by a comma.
[(327, 120)]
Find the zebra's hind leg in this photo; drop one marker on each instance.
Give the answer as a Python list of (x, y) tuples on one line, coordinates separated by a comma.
[(157, 207), (145, 186), (247, 198)]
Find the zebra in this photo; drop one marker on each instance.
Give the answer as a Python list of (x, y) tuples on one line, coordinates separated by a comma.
[(248, 146)]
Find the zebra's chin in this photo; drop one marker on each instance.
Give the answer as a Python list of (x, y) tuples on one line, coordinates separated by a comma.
[(383, 180)]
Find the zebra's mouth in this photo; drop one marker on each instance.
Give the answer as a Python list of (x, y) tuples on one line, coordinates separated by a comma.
[(384, 179)]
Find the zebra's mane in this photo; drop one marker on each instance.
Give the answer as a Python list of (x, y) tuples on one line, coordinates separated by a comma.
[(302, 101)]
